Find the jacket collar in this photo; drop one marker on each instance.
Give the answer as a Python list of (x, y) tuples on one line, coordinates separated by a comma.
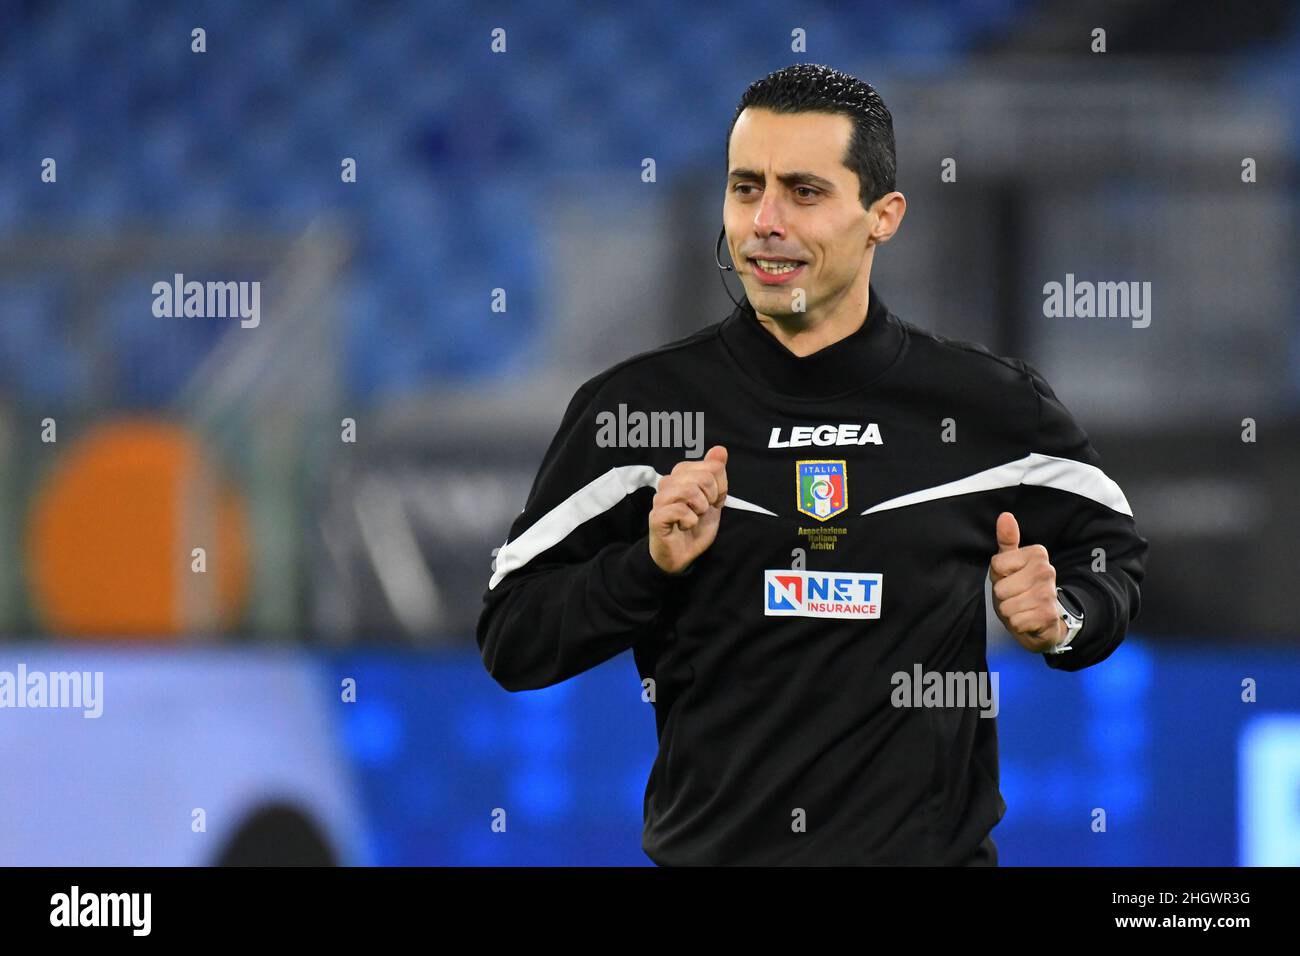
[(852, 362)]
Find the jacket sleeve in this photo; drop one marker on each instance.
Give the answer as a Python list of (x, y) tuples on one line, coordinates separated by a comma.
[(574, 585), (1069, 505)]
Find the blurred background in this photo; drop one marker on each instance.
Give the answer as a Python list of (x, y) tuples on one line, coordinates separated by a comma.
[(445, 208)]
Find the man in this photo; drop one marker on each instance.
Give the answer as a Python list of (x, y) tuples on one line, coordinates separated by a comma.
[(830, 547)]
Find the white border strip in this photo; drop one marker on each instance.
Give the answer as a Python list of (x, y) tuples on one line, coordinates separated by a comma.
[(592, 499), (1048, 471)]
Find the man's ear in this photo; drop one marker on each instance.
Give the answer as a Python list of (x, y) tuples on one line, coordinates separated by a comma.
[(890, 209)]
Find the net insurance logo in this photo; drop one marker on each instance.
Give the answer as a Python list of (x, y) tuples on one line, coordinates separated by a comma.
[(850, 594)]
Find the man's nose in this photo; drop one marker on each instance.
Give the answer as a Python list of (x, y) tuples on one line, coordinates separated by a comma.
[(768, 219)]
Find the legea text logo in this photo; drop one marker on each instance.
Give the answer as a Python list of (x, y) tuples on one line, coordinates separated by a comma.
[(822, 594), (801, 436)]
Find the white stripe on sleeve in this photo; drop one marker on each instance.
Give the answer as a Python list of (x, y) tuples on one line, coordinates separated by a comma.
[(1048, 471), (591, 500)]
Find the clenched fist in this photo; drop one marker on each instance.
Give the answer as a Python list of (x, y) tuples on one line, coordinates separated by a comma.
[(1024, 589), (686, 509)]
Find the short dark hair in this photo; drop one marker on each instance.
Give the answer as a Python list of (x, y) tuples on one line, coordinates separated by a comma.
[(811, 87)]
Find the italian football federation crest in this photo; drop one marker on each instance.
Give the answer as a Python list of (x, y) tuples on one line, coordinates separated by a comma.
[(821, 488)]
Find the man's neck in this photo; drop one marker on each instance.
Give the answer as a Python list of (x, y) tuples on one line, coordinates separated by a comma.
[(805, 334)]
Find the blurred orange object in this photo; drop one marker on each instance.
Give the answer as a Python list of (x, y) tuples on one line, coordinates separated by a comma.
[(112, 531)]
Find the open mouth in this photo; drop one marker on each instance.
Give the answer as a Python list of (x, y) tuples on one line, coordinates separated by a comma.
[(776, 271)]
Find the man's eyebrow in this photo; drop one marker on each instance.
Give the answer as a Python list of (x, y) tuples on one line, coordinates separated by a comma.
[(789, 179)]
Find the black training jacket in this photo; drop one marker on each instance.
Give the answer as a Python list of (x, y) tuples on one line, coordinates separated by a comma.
[(865, 481)]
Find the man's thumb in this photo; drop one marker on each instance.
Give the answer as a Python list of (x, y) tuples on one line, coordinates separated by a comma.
[(1008, 532), (717, 453)]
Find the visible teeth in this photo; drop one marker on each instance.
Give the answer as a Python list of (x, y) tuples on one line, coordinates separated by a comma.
[(772, 265)]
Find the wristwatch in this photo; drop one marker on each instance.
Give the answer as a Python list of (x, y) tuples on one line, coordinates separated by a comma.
[(1071, 611)]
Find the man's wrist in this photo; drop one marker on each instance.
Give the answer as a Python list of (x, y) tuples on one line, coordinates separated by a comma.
[(1070, 610), (662, 574)]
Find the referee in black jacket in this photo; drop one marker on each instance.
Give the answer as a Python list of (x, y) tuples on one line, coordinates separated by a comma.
[(788, 517)]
